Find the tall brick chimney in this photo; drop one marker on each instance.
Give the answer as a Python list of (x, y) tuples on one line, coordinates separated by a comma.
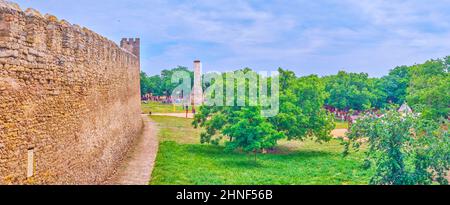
[(197, 91), (133, 45)]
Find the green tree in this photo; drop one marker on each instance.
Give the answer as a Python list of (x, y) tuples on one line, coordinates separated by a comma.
[(395, 84), (378, 93), (403, 149), (161, 84), (249, 130), (350, 91), (301, 115), (166, 79), (301, 109), (286, 77), (244, 126), (155, 85), (145, 84), (430, 88)]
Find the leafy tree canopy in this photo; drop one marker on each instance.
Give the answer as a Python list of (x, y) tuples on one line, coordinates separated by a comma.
[(161, 85), (430, 88), (301, 115), (403, 149), (351, 91), (395, 84)]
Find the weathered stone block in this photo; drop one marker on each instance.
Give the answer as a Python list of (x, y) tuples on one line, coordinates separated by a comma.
[(4, 27), (8, 53)]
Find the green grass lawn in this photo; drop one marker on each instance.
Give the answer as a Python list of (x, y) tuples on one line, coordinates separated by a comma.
[(155, 107), (182, 160)]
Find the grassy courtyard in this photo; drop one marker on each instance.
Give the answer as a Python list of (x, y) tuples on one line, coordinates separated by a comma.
[(183, 160), (156, 107)]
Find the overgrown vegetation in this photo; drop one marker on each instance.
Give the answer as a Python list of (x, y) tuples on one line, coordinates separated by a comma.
[(424, 86), (404, 148), (430, 88)]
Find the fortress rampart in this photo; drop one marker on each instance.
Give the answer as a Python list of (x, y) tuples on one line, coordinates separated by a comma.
[(69, 100)]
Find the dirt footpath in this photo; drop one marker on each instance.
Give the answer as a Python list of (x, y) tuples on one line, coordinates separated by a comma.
[(137, 167), (181, 115)]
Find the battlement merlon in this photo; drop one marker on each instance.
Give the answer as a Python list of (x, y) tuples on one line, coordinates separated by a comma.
[(133, 45)]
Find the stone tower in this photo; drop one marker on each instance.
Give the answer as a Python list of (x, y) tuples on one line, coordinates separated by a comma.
[(133, 45), (197, 90)]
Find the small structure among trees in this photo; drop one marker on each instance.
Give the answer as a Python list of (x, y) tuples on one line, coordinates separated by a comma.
[(405, 109)]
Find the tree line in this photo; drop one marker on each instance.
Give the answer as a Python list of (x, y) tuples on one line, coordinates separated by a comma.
[(424, 87), (161, 85)]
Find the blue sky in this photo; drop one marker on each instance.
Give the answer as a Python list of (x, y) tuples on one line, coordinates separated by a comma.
[(319, 37)]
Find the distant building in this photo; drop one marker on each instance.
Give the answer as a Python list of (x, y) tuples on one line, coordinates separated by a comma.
[(405, 108)]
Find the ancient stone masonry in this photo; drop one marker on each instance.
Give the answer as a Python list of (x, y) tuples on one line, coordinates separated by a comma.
[(69, 100), (132, 45)]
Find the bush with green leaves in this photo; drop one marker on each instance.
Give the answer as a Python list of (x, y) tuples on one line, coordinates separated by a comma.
[(354, 91), (430, 88), (403, 149), (301, 115), (243, 126)]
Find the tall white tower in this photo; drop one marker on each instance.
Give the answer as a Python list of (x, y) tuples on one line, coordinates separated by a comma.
[(197, 91)]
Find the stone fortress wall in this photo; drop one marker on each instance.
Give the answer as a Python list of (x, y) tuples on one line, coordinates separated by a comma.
[(69, 100)]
